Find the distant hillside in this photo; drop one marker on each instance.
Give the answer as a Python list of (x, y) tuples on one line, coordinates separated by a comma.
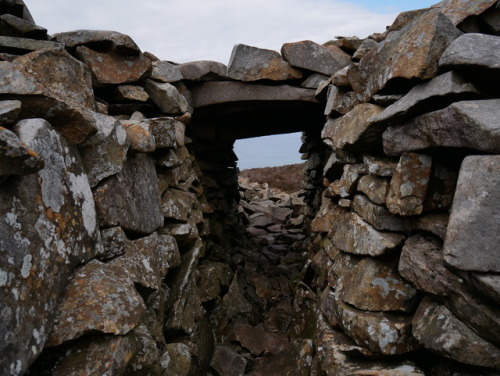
[(287, 178)]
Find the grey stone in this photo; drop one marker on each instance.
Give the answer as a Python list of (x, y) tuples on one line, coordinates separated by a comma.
[(386, 100), (24, 45), (13, 26), (36, 209), (204, 70), (341, 79), (376, 188), (9, 111), (131, 199), (19, 9), (314, 80), (435, 223), (176, 360), (334, 166), (251, 64), (376, 215), (17, 158), (140, 135), (405, 18), (473, 231), (411, 53), (439, 330), (365, 47), (409, 184), (430, 96), (327, 60), (98, 297), (228, 362), (353, 131), (458, 10), (351, 234), (103, 154), (380, 166), (130, 93), (110, 40), (341, 102), (476, 121), (168, 132), (350, 177), (163, 71), (177, 204), (166, 97)]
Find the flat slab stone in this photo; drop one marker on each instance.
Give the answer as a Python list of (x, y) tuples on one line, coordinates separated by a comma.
[(474, 229), (131, 199), (377, 215), (166, 97), (430, 96), (458, 10), (473, 50), (49, 224), (13, 26), (114, 40), (203, 70), (163, 71), (249, 63), (327, 60), (477, 122), (211, 93), (25, 44)]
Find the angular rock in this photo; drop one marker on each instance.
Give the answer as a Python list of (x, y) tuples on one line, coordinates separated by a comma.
[(409, 184), (341, 102), (380, 166), (327, 60), (439, 330), (411, 53), (211, 93), (24, 45), (103, 154), (476, 121), (115, 243), (458, 10), (314, 81), (327, 215), (261, 342), (163, 71), (435, 223), (99, 39), (166, 97), (251, 64), (98, 297), (376, 215), (168, 132), (350, 177), (367, 46), (374, 187), (177, 360), (210, 272), (334, 166), (140, 135), (341, 79), (13, 26), (131, 199), (473, 231), (49, 225), (441, 187), (204, 70), (349, 44), (130, 93), (112, 67), (351, 234), (375, 285), (405, 18), (17, 158), (228, 362), (380, 332), (353, 131), (430, 96), (9, 111), (177, 204)]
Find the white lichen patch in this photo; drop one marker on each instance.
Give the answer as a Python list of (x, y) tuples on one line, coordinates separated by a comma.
[(4, 277), (82, 194), (26, 268)]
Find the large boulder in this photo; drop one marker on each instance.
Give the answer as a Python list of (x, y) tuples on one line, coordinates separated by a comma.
[(49, 227)]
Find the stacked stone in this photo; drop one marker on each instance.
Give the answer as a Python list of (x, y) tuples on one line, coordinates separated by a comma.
[(407, 234), (97, 209)]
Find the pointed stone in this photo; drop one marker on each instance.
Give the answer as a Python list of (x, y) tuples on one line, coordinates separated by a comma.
[(458, 10), (13, 26), (166, 97), (168, 132), (163, 71), (204, 70), (327, 60), (17, 158), (251, 64)]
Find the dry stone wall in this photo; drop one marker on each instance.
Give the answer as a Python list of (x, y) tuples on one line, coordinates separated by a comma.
[(128, 247)]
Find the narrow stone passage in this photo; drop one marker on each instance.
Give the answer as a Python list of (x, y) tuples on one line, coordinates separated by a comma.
[(266, 332)]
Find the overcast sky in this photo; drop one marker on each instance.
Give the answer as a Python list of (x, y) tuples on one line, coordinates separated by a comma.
[(189, 30)]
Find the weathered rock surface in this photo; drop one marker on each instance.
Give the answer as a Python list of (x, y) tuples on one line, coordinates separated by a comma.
[(411, 53), (350, 178), (376, 215), (100, 39), (168, 132), (9, 111), (112, 67), (204, 70), (103, 154), (98, 297), (475, 120), (438, 329), (374, 187), (131, 199), (36, 210), (24, 45), (380, 166), (163, 71), (252, 64), (125, 93), (351, 234), (353, 131), (228, 362), (166, 97), (140, 135), (458, 10), (13, 26), (430, 96), (177, 204), (15, 157), (473, 231), (341, 102), (327, 60), (409, 184)]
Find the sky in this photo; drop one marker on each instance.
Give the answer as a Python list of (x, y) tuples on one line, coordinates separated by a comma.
[(189, 30)]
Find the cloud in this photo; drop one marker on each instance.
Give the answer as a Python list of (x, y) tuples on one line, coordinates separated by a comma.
[(187, 30)]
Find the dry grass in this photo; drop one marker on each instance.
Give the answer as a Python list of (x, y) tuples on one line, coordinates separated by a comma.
[(287, 178)]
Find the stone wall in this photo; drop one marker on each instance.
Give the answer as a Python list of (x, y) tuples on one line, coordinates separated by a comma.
[(123, 247)]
